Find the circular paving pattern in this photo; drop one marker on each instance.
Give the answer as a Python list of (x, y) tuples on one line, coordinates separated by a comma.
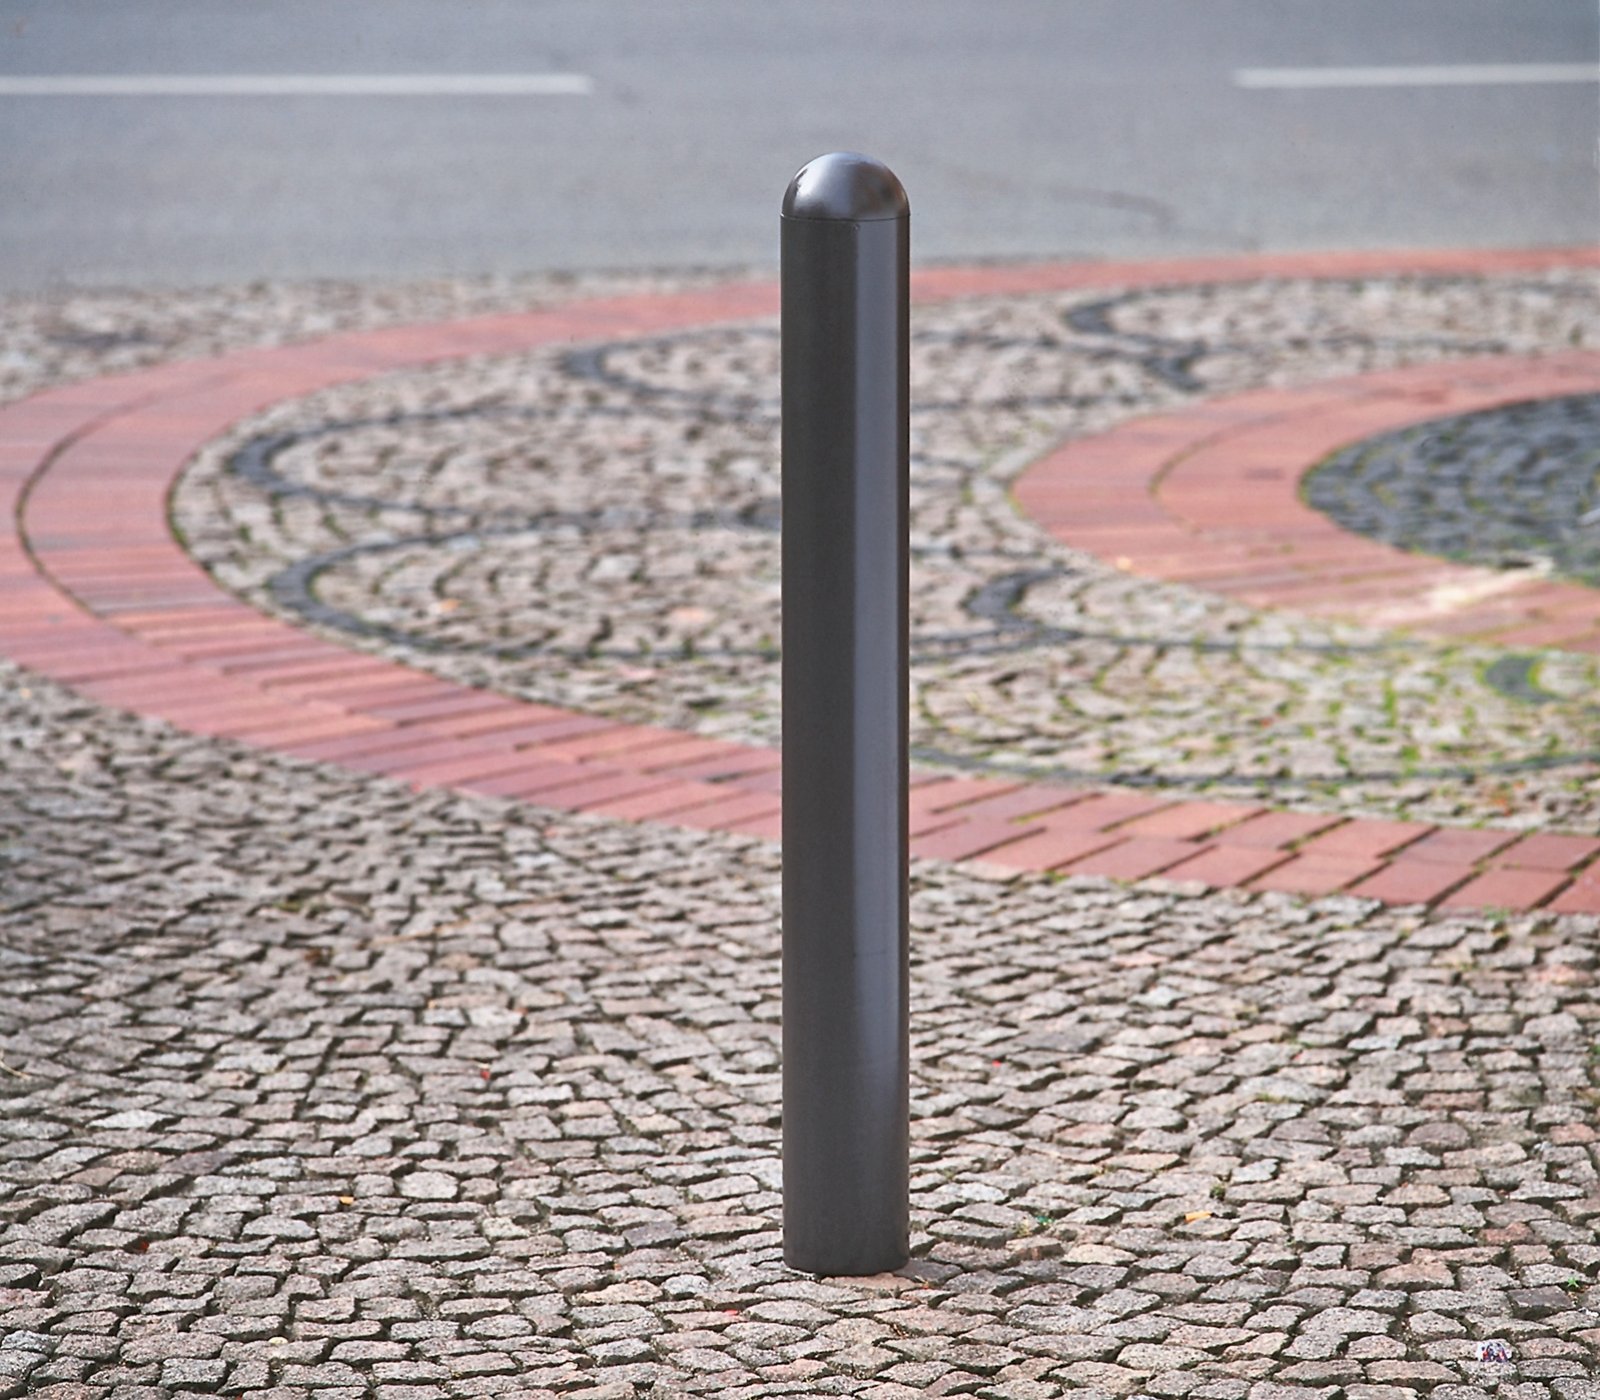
[(1514, 488), (316, 1087), (597, 529)]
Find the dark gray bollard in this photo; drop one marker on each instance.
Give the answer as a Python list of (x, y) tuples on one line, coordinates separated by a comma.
[(846, 455)]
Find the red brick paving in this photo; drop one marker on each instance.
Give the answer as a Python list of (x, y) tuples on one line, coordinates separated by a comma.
[(968, 838), (732, 811), (1364, 840), (1209, 495), (921, 823), (1223, 866), (95, 593), (1548, 850), (768, 827), (1455, 845), (601, 787), (1275, 830), (1313, 875), (1189, 820), (1413, 881), (1135, 859), (942, 796), (1105, 810), (1507, 888), (1582, 896), (676, 797), (1050, 849), (1030, 801)]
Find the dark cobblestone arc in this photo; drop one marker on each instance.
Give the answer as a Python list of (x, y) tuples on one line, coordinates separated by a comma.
[(1515, 487), (998, 603), (387, 515)]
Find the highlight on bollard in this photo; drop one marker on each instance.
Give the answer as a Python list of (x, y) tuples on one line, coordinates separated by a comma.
[(846, 459)]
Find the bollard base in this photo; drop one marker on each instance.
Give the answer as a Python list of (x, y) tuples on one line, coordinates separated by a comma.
[(862, 1269)]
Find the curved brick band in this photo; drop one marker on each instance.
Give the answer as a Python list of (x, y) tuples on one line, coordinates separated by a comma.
[(95, 592), (1210, 496)]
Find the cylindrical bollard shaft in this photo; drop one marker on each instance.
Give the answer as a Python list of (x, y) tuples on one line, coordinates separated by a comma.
[(846, 454)]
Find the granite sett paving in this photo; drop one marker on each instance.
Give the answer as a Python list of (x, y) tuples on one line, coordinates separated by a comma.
[(326, 1075)]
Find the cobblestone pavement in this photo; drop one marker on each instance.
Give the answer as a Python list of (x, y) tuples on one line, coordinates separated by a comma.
[(316, 1087), (1513, 488), (313, 1087), (49, 339), (597, 529)]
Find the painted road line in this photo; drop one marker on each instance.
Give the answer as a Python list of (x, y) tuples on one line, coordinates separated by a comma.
[(296, 85), (1451, 75)]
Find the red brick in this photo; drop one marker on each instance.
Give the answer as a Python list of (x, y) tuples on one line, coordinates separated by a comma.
[(1135, 859), (1549, 850), (1364, 840), (614, 741), (1050, 848), (921, 823), (740, 762), (734, 808), (75, 665), (1479, 620), (304, 728), (333, 678), (536, 778), (769, 827), (1314, 875), (1582, 896), (1507, 888), (406, 753), (460, 765), (345, 751), (442, 741), (1275, 830), (253, 658), (659, 803), (457, 704), (955, 792), (1188, 821), (230, 719), (767, 780), (1103, 810), (174, 682), (221, 615), (1454, 845), (964, 839), (683, 751), (513, 714), (542, 732), (355, 693), (603, 787), (1546, 634), (1027, 801), (1225, 867), (1408, 881)]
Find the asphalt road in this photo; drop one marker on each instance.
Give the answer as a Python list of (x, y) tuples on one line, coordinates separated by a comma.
[(1021, 128)]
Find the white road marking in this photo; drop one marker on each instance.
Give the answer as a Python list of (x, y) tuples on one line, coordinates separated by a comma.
[(296, 85), (1454, 75)]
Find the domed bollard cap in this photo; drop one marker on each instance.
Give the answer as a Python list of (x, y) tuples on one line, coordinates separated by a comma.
[(845, 186)]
